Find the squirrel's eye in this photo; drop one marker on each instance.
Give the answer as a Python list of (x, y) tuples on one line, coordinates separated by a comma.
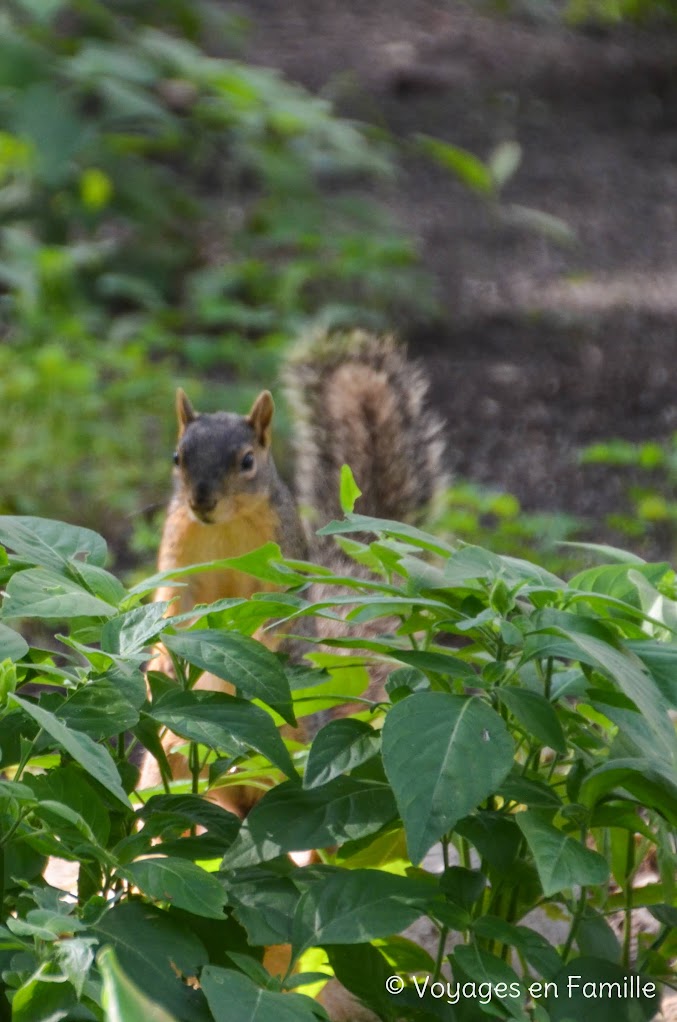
[(247, 462), (175, 458)]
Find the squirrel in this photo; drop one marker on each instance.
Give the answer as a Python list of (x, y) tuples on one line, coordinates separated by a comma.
[(357, 399)]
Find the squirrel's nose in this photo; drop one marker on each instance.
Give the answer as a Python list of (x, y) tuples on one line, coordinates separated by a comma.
[(202, 500)]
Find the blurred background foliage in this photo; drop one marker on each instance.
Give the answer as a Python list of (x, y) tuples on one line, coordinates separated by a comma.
[(162, 212), (168, 214)]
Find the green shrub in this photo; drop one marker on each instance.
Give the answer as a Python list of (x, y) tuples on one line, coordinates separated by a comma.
[(524, 730)]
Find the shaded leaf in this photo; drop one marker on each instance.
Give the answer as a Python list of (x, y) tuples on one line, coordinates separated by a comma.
[(561, 861), (252, 669), (95, 759), (429, 740)]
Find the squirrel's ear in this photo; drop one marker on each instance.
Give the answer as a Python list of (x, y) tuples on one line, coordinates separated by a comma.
[(260, 417), (184, 410)]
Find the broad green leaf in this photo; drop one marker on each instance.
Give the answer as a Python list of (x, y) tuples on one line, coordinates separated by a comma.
[(290, 818), (338, 748), (462, 886), (574, 999), (616, 580), (429, 740), (99, 582), (134, 631), (170, 815), (595, 937), (535, 713), (122, 1000), (408, 533), (12, 645), (264, 902), (255, 672), (485, 968), (17, 790), (232, 996), (45, 924), (99, 710), (436, 663), (363, 969), (155, 951), (653, 784), (95, 759), (349, 491), (355, 906), (660, 659), (42, 593), (49, 544), (70, 786), (180, 882), (561, 861), (635, 734), (223, 722), (535, 948), (38, 1000)]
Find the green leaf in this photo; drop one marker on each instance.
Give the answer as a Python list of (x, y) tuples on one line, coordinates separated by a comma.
[(429, 739), (485, 968), (95, 759), (223, 722), (171, 815), (42, 593), (43, 1001), (99, 709), (134, 631), (255, 672), (654, 784), (49, 544), (231, 996), (468, 168), (594, 1003), (264, 903), (349, 490), (561, 861), (537, 951), (155, 952), (12, 645), (462, 886), (122, 1000), (408, 533), (363, 970), (535, 713), (289, 818), (338, 748), (355, 906), (183, 883), (70, 786)]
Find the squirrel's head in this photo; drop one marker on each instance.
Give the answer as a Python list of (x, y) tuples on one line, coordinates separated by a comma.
[(223, 460)]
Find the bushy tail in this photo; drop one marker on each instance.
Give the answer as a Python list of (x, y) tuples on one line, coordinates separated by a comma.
[(358, 400)]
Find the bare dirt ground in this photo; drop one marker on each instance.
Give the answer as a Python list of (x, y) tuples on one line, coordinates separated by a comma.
[(541, 347)]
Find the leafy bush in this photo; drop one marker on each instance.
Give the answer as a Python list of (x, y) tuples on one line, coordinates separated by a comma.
[(524, 731), (161, 207)]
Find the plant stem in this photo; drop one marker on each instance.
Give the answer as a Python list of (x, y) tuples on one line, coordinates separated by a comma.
[(629, 893), (575, 923)]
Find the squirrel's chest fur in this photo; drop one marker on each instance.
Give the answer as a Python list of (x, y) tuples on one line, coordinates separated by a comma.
[(186, 541)]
